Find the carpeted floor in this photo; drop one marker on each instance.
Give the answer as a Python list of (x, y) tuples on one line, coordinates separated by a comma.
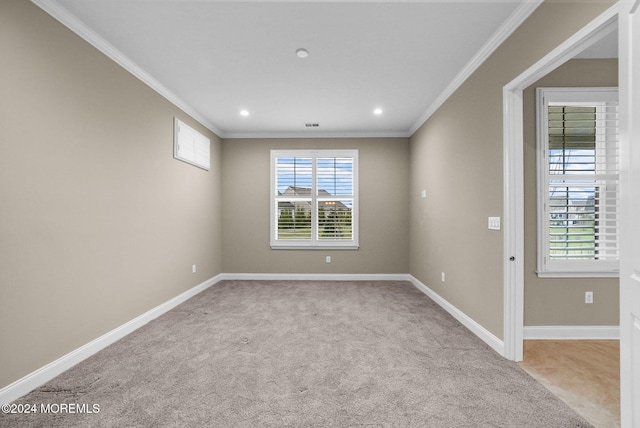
[(300, 354)]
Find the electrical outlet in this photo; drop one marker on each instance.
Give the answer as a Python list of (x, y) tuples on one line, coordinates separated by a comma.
[(328, 259), (588, 297), (494, 223), (442, 276), (193, 269)]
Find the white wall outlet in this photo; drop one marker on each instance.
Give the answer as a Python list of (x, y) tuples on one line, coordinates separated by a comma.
[(494, 223), (588, 297), (328, 259), (193, 269), (442, 276)]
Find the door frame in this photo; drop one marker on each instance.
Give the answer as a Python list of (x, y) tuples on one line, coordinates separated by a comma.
[(513, 175), (629, 39)]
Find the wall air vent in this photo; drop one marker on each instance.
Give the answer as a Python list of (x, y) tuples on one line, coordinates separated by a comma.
[(190, 146), (311, 125)]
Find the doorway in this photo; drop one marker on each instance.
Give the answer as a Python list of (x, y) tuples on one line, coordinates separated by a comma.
[(513, 109)]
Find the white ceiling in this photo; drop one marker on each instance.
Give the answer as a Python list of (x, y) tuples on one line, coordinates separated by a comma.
[(215, 58)]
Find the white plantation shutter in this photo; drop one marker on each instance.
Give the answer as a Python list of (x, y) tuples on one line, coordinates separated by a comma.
[(191, 146), (314, 199), (578, 169), (334, 184), (294, 179)]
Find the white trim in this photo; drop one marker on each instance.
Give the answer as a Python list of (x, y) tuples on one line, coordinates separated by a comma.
[(314, 242), (70, 21), (315, 134), (576, 274), (513, 238), (514, 175), (44, 374), (509, 26), (602, 99), (596, 30), (74, 24), (315, 277), (303, 246), (485, 335), (572, 332)]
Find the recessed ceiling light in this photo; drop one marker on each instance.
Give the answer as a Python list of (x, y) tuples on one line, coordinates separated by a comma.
[(377, 111), (302, 53), (244, 113)]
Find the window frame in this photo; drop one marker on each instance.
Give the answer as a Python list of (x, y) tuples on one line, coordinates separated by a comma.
[(546, 267), (314, 243)]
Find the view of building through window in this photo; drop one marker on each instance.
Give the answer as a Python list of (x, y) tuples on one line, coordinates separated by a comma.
[(579, 175), (572, 155), (314, 197)]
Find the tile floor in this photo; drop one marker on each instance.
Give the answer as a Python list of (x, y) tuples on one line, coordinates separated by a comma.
[(585, 374)]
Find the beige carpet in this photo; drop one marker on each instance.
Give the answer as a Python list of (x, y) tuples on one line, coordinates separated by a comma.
[(301, 354)]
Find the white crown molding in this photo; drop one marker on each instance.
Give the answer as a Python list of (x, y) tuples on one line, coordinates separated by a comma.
[(70, 21), (572, 332), (515, 20), (302, 135)]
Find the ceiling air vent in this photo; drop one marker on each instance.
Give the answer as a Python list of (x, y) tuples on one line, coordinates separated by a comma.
[(311, 125)]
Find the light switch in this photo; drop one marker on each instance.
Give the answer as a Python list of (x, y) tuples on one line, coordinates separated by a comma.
[(423, 193), (494, 223)]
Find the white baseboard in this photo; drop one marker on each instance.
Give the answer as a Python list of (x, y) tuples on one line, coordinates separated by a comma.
[(41, 376), (485, 335), (562, 332), (315, 276), (44, 374)]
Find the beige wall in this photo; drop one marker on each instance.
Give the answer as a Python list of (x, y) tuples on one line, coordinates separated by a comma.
[(554, 301), (456, 156), (98, 222), (384, 230)]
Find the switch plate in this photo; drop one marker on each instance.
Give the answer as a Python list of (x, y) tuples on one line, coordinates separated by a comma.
[(193, 269), (442, 276), (494, 223), (423, 194), (328, 259), (588, 297)]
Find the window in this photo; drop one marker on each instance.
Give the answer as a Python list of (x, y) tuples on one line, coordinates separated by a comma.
[(578, 182), (314, 199), (191, 146)]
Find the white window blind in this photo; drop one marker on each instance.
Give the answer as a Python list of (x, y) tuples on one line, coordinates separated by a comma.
[(578, 181), (314, 199)]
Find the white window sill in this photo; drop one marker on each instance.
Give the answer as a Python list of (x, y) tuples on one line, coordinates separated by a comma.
[(578, 274), (315, 247)]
